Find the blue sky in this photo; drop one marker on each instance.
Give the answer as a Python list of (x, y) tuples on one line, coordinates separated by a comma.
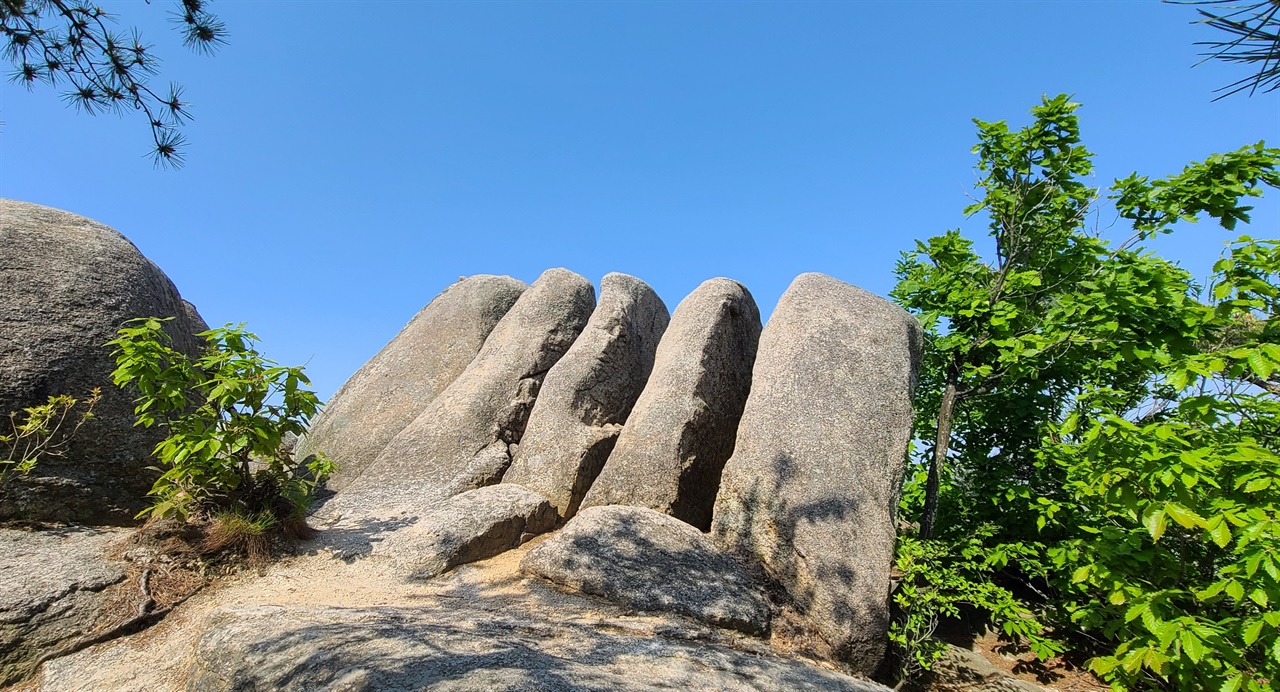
[(350, 160)]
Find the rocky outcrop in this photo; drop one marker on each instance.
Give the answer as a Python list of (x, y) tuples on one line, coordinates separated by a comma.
[(812, 488), (66, 285), (440, 580), (389, 391), (589, 393), (313, 622), (51, 591), (382, 648), (653, 562), (670, 453), (465, 528), (462, 440)]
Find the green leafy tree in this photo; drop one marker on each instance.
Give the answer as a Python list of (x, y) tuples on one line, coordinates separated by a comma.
[(74, 44), (1011, 339), (1020, 345), (227, 414), (1174, 508)]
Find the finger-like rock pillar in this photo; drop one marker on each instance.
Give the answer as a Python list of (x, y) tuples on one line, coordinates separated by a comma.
[(589, 393), (812, 488), (461, 441), (681, 431), (389, 391)]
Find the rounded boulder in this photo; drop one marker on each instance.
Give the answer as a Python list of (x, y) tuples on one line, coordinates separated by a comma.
[(66, 285)]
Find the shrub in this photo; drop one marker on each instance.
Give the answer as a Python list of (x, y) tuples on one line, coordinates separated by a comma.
[(937, 578), (227, 413), (38, 432)]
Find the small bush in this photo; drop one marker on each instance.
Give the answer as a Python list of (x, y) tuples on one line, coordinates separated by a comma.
[(937, 578), (227, 413), (40, 432)]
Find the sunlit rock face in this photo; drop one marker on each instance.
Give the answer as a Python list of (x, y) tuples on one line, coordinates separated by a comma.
[(393, 388), (67, 283), (811, 490), (589, 394), (674, 446)]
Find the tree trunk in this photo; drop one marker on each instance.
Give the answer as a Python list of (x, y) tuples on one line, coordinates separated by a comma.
[(929, 517)]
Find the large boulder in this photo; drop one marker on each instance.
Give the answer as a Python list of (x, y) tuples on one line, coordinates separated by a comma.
[(389, 391), (66, 285), (468, 527), (462, 440), (52, 592), (589, 393), (650, 561), (812, 488), (681, 431)]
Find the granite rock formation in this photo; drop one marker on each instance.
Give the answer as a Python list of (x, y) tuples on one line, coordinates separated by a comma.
[(491, 418), (463, 439), (589, 393), (389, 391), (811, 491), (66, 285), (652, 562), (468, 527), (52, 591), (670, 453)]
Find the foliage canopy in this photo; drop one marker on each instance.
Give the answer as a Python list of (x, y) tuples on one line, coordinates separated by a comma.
[(1105, 429)]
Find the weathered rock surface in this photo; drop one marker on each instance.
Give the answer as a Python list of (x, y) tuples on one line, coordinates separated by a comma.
[(589, 393), (380, 648), (670, 454), (461, 441), (389, 391), (66, 285), (313, 622), (811, 490), (468, 527), (968, 671), (51, 591), (650, 561)]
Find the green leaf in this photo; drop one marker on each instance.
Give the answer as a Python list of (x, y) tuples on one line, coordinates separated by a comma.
[(1154, 520), (1257, 484), (1261, 366), (1252, 632), (1135, 611), (1191, 645), (1220, 534), (1182, 515)]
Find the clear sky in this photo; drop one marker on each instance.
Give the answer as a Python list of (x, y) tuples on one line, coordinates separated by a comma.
[(348, 160)]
